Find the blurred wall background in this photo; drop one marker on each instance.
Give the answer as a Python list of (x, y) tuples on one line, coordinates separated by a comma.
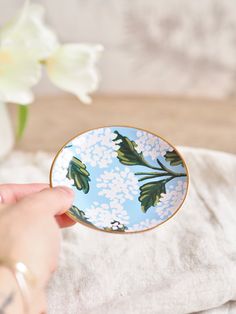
[(180, 48)]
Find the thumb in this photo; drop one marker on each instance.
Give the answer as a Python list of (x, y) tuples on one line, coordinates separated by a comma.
[(55, 200)]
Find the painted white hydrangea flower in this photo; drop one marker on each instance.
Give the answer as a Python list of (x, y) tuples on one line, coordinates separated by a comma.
[(110, 215), (150, 145), (29, 31), (72, 68), (170, 201), (164, 213), (61, 167), (97, 148), (145, 224), (118, 184)]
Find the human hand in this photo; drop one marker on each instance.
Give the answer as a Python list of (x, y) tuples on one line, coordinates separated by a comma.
[(12, 193), (29, 225)]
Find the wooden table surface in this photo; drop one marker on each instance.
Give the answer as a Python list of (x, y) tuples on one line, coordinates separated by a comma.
[(198, 123)]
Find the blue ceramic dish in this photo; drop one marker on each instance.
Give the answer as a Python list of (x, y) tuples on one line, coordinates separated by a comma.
[(125, 179)]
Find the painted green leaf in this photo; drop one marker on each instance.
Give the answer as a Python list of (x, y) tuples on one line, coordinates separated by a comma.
[(127, 153), (79, 214), (77, 171), (173, 158), (150, 194)]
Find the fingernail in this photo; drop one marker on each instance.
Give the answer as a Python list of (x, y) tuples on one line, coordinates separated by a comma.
[(1, 199)]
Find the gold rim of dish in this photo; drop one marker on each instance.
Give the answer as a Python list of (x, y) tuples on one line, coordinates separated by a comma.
[(130, 127)]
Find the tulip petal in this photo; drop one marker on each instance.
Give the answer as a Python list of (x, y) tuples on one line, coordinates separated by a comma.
[(72, 68), (28, 30), (18, 73)]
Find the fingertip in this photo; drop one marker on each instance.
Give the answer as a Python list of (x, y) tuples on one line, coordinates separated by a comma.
[(56, 200), (66, 193), (65, 189)]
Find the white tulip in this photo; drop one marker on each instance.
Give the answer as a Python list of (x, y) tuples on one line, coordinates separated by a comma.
[(25, 42), (29, 30), (72, 68), (18, 73)]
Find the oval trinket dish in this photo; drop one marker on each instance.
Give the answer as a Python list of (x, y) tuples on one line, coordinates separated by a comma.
[(125, 179)]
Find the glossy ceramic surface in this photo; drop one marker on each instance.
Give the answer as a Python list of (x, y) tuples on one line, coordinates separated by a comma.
[(125, 179)]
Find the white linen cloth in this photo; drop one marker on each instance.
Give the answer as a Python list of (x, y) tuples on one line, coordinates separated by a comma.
[(187, 265)]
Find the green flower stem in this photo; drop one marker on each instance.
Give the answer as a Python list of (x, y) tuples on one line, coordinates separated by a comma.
[(151, 173), (22, 120), (164, 174), (162, 167), (169, 179), (173, 177), (152, 177), (167, 172), (175, 174), (150, 166)]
